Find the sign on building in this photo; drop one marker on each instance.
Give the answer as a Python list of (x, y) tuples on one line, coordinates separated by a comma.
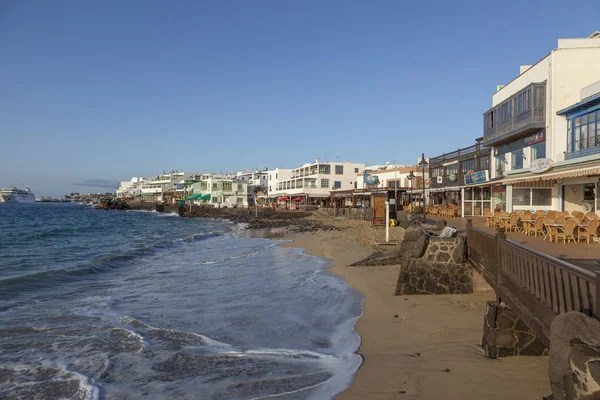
[(477, 177), (540, 165)]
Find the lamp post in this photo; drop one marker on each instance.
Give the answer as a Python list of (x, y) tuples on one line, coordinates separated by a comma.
[(423, 164), (411, 176)]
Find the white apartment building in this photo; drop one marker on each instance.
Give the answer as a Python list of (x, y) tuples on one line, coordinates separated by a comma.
[(543, 129), (157, 188), (220, 192), (313, 181), (130, 188), (258, 181)]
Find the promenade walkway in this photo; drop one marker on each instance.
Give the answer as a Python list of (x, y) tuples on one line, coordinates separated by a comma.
[(582, 254)]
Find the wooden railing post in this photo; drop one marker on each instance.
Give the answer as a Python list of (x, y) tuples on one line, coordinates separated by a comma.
[(500, 235), (597, 310)]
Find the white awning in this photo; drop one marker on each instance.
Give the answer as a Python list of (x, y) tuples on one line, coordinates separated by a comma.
[(566, 173)]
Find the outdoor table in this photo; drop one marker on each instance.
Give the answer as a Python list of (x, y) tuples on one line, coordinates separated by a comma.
[(553, 229)]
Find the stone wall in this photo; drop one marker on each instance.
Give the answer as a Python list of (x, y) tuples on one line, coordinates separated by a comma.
[(505, 334), (575, 357), (431, 264)]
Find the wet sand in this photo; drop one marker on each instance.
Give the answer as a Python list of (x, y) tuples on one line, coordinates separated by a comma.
[(431, 350)]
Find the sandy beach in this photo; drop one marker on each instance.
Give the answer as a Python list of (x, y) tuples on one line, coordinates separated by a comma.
[(418, 347)]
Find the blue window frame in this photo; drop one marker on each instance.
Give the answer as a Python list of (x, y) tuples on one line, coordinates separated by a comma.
[(337, 184), (583, 134)]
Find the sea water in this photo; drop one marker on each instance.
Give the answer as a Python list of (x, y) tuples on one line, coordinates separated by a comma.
[(128, 304)]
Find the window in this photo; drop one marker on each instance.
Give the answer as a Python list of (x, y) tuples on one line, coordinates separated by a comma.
[(240, 200), (435, 172), (452, 169), (356, 170), (532, 197), (324, 169), (541, 197), (240, 187), (517, 159), (484, 162), (521, 197), (492, 119), (214, 186), (500, 164), (339, 169), (337, 184), (324, 183), (227, 186), (299, 184), (468, 165), (538, 151)]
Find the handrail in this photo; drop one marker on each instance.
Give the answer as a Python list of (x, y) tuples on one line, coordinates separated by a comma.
[(581, 272), (540, 285)]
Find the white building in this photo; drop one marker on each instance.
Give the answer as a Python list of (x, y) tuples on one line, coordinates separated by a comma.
[(163, 186), (130, 188), (313, 181), (220, 192), (258, 183), (543, 128)]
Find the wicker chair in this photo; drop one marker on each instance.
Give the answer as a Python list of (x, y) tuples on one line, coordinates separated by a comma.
[(567, 232), (591, 215), (538, 227), (588, 232), (513, 223), (549, 231)]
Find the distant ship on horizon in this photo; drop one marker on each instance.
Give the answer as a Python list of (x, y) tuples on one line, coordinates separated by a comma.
[(14, 195)]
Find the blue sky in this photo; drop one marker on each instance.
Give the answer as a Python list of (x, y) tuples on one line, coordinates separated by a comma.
[(95, 92)]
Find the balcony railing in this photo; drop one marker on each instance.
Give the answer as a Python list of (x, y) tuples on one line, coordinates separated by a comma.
[(522, 113), (583, 147), (479, 149)]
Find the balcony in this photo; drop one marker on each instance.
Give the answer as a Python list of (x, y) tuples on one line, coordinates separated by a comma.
[(522, 113), (584, 147)]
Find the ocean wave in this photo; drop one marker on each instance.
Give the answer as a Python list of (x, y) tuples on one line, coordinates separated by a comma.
[(96, 266), (23, 381), (243, 255)]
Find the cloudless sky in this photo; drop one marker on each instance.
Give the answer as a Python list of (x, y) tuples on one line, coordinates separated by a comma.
[(96, 92)]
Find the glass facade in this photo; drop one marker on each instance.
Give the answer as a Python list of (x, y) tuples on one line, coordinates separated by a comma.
[(477, 201)]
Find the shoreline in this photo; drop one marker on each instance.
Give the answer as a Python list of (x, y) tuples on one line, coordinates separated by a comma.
[(419, 347)]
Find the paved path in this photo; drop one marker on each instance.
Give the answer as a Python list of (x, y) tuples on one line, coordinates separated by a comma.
[(582, 254)]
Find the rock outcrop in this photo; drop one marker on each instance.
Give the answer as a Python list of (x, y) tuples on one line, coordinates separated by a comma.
[(112, 203), (575, 357)]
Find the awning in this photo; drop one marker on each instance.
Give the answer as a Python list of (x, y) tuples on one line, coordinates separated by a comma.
[(298, 198), (283, 198), (194, 197), (205, 197), (573, 172)]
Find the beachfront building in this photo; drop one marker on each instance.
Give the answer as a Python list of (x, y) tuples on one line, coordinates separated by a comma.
[(543, 130), (164, 187), (220, 192), (312, 182), (258, 183), (389, 180), (461, 179), (130, 188)]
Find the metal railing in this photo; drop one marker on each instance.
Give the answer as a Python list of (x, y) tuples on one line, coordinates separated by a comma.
[(583, 147), (538, 285)]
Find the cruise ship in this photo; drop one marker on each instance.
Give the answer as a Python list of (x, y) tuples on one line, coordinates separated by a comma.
[(14, 195)]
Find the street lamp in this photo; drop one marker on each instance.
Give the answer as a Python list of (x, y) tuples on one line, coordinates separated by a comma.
[(423, 164), (411, 176)]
